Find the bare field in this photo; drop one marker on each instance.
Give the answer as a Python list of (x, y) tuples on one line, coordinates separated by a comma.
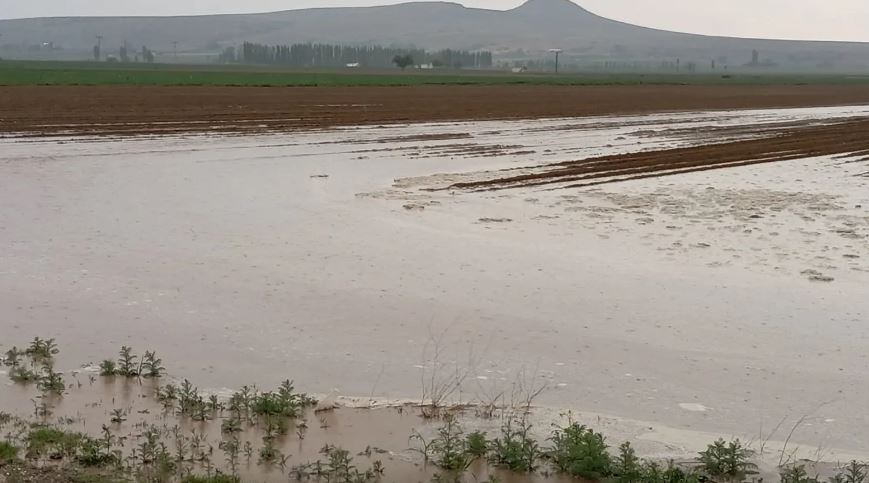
[(41, 110)]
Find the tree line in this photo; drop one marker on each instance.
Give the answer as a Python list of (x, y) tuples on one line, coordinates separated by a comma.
[(329, 55)]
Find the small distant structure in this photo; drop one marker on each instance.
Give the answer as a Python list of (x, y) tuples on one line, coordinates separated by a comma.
[(557, 53), (755, 57), (353, 65), (520, 70), (426, 66)]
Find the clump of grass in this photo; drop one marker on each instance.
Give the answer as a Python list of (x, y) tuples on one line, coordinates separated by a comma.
[(50, 441), (55, 443), (730, 460), (515, 449), (581, 452), (8, 452)]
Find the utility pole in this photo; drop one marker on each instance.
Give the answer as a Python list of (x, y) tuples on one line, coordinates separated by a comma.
[(557, 53), (175, 48), (99, 49)]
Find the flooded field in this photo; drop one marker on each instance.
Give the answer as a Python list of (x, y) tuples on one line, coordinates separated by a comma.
[(665, 310)]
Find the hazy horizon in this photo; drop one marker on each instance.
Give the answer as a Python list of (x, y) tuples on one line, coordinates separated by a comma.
[(781, 19)]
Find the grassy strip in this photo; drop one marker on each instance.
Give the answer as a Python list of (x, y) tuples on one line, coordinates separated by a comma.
[(88, 73)]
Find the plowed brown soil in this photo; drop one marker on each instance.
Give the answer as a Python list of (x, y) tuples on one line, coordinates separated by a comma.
[(850, 137), (45, 110)]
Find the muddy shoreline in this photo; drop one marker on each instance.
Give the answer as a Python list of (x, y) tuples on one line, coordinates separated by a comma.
[(125, 110)]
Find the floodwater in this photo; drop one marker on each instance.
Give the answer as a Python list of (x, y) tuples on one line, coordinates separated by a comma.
[(667, 310)]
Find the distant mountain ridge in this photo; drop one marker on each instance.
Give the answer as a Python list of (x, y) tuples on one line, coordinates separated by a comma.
[(528, 30)]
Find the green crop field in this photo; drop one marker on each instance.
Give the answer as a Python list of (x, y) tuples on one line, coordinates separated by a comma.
[(89, 73)]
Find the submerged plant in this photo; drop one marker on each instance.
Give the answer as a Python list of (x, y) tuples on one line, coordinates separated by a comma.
[(477, 445), (515, 449), (449, 449), (797, 474), (23, 376), (284, 402), (152, 366), (13, 357), (108, 368), (51, 380), (853, 473), (42, 348), (127, 363)]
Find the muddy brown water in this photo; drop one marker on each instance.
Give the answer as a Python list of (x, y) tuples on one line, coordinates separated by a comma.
[(664, 311), (369, 435)]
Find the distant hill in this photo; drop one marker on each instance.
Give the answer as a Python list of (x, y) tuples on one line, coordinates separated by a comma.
[(524, 32)]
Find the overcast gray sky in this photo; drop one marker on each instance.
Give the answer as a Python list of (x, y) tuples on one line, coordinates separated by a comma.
[(793, 19)]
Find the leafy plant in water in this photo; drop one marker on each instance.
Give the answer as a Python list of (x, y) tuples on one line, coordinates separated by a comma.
[(268, 453), (580, 452), (118, 416), (627, 467), (127, 363), (93, 452), (449, 449), (152, 366), (853, 473), (46, 440), (50, 380), (515, 449), (42, 348), (23, 376), (13, 357), (231, 425), (149, 448), (652, 472), (477, 445), (188, 397), (797, 474), (231, 448), (727, 459), (108, 368), (284, 402)]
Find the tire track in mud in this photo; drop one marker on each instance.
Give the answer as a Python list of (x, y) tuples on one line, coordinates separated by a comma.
[(850, 138)]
